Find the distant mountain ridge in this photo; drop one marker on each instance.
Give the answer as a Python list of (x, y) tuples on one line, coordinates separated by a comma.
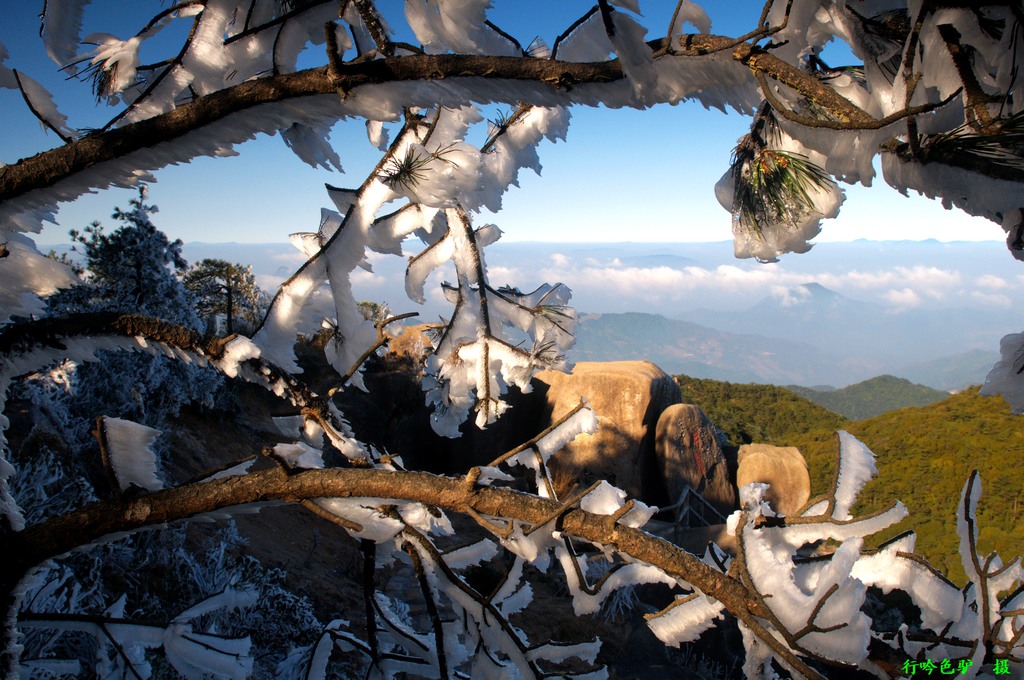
[(953, 372), (695, 349), (872, 397), (686, 347), (867, 334), (783, 324)]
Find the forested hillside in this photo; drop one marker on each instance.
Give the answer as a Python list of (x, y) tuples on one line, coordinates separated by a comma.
[(872, 397), (924, 456), (757, 413)]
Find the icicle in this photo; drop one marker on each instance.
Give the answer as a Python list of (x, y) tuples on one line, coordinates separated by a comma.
[(300, 455), (686, 619), (62, 26), (312, 145)]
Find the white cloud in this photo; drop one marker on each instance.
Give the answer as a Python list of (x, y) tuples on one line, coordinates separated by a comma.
[(292, 256), (434, 291), (269, 282), (789, 297), (373, 257), (918, 275), (902, 299), (992, 282), (890, 284), (992, 299), (505, 276), (629, 280), (560, 260), (365, 279)]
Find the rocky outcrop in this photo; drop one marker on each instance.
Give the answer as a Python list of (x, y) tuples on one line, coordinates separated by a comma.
[(783, 468), (628, 398), (688, 454)]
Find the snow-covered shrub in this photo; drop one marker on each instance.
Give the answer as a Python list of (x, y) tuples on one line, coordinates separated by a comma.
[(159, 575)]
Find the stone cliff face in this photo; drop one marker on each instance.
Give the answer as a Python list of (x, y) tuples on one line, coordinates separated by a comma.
[(648, 443)]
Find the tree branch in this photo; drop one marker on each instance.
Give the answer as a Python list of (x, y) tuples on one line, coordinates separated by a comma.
[(977, 98), (67, 532), (48, 168), (838, 106), (872, 124), (35, 112)]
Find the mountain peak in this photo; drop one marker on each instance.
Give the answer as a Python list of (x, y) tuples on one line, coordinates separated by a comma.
[(805, 295), (819, 291)]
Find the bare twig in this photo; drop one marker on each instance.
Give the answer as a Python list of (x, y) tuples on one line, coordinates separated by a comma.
[(382, 339), (346, 524), (108, 467), (977, 99), (870, 124), (369, 550), (563, 508)]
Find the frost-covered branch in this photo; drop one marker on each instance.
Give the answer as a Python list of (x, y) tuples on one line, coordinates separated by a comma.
[(599, 525), (61, 534), (791, 609), (714, 69), (188, 652)]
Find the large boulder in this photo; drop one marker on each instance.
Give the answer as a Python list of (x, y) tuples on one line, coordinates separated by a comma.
[(628, 398), (688, 454), (783, 468)]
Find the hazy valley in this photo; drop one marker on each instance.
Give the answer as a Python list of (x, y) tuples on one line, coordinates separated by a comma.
[(930, 312)]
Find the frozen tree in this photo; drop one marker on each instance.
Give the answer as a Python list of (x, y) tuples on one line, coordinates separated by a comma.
[(135, 268), (132, 269), (225, 289), (936, 97)]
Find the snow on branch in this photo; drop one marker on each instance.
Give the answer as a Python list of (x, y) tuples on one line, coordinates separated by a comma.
[(31, 346), (825, 594), (474, 361), (127, 449), (126, 641), (261, 46), (432, 166)]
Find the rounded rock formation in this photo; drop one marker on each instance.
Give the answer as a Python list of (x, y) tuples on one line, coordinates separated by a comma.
[(628, 398), (783, 468)]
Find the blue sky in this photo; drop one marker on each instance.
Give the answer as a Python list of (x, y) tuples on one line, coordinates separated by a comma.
[(620, 175)]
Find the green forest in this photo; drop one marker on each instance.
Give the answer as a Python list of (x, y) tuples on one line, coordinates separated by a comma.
[(872, 397), (924, 456)]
